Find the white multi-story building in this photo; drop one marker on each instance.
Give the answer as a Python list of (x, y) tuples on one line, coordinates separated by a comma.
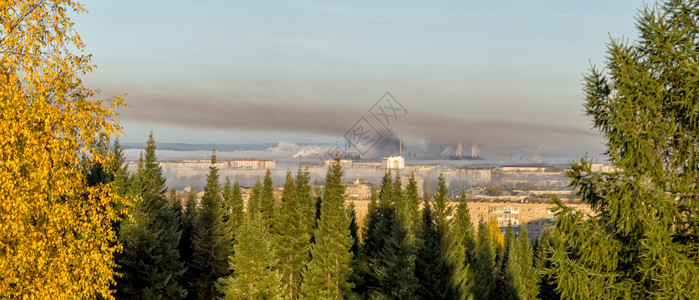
[(393, 163)]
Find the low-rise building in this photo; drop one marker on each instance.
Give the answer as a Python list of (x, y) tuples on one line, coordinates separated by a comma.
[(251, 163)]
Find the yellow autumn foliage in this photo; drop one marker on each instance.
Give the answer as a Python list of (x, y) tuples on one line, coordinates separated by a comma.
[(496, 233), (56, 241)]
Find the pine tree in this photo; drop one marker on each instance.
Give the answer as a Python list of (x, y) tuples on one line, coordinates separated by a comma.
[(642, 239), (520, 273), (212, 238), (253, 266), (484, 264), (293, 239), (150, 262), (328, 273)]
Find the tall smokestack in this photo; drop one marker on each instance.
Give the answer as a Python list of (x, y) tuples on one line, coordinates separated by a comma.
[(400, 147)]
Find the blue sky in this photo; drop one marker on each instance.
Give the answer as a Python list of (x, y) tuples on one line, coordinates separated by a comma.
[(303, 71)]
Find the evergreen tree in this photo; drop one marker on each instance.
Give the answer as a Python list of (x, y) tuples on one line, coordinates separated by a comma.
[(361, 277), (328, 273), (176, 206), (463, 227), (393, 266), (385, 194), (267, 203), (212, 238), (293, 239), (498, 241), (354, 230), (374, 234), (232, 204), (150, 262), (253, 266), (253, 207), (186, 247), (306, 198), (236, 204), (400, 203), (462, 245), (642, 239), (412, 203), (451, 259), (118, 168), (519, 272), (484, 264), (547, 284), (429, 267), (504, 284)]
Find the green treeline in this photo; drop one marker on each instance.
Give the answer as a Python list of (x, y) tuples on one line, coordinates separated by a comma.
[(307, 244)]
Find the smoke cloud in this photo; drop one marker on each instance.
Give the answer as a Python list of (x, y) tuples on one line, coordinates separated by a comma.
[(432, 128)]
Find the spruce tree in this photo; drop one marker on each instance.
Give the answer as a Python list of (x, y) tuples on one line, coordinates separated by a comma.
[(354, 230), (186, 247), (212, 238), (119, 180), (232, 204), (374, 234), (293, 239), (429, 267), (328, 273), (463, 227), (520, 273), (412, 203), (267, 203), (253, 205), (118, 168), (150, 261), (393, 266), (253, 273), (547, 283), (451, 262), (641, 240), (483, 265), (176, 206), (306, 198), (361, 276), (504, 286), (462, 245), (236, 205)]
